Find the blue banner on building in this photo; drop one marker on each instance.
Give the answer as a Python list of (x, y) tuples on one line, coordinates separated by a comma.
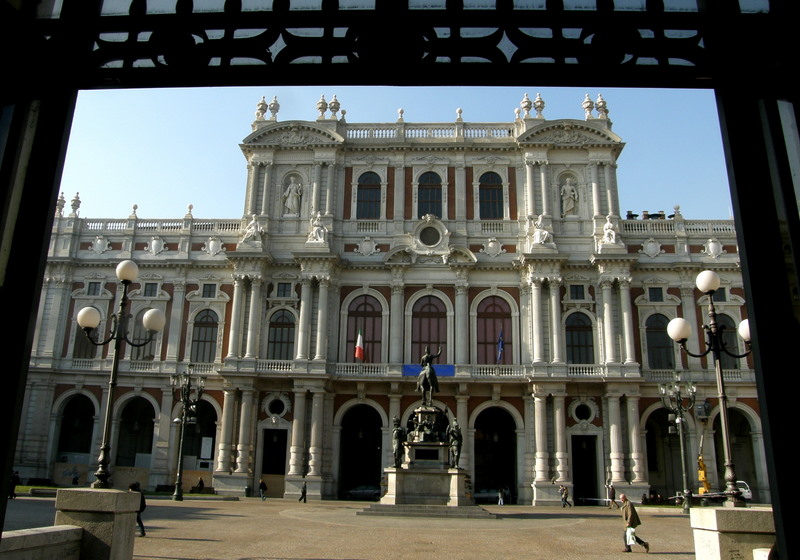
[(442, 370)]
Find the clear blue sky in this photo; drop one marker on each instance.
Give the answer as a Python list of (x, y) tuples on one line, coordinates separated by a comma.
[(165, 149)]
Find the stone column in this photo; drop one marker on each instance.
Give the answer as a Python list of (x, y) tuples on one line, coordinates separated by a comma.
[(462, 415), (304, 330), (555, 322), (560, 437), (252, 182), (610, 194), (315, 448), (615, 437), (543, 186), (254, 323), (689, 308), (234, 337), (322, 320), (177, 321), (627, 320), (542, 467), (595, 189), (163, 462), (396, 325), (330, 190), (536, 321), (462, 318), (399, 195), (634, 433), (529, 187), (266, 187), (315, 186), (608, 322), (298, 433), (245, 446), (526, 355), (225, 445), (461, 192), (394, 412)]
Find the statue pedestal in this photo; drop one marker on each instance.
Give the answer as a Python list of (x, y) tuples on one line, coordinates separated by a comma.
[(428, 486)]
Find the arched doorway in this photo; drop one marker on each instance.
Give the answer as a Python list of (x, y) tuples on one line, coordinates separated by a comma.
[(198, 438), (360, 450), (664, 456), (135, 441), (741, 440), (495, 454), (73, 452)]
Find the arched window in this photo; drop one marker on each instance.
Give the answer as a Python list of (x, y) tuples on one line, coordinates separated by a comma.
[(428, 327), (77, 423), (147, 352), (429, 195), (580, 343), (368, 197), (730, 339), (280, 338), (204, 337), (660, 348), (136, 425), (364, 314), (83, 349), (494, 324), (490, 196)]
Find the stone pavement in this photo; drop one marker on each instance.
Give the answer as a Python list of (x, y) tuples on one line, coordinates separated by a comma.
[(279, 529)]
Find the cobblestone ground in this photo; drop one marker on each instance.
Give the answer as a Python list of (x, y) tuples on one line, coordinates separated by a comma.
[(278, 529)]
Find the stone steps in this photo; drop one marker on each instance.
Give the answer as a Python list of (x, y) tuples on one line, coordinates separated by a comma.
[(432, 511)]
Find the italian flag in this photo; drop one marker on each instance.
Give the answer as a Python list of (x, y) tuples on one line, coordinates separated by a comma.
[(360, 346)]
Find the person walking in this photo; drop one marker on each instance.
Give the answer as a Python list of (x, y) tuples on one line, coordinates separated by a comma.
[(564, 491), (134, 487), (262, 489), (303, 492), (632, 521), (612, 494)]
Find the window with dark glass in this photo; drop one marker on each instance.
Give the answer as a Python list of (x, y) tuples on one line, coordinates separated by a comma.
[(93, 289), (284, 290), (720, 295), (209, 290), (368, 197), (204, 337), (364, 314), (660, 347), (730, 340), (280, 338), (655, 294), (150, 289), (576, 292), (580, 344), (429, 195), (428, 327), (493, 323), (148, 351), (490, 195)]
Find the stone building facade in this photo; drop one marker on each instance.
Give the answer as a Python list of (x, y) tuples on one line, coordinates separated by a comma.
[(502, 244)]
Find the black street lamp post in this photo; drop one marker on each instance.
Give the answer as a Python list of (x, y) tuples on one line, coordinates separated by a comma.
[(183, 381), (88, 319), (680, 330), (678, 400)]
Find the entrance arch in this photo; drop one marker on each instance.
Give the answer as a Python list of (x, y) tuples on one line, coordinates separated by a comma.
[(360, 449), (744, 460), (135, 439), (495, 451)]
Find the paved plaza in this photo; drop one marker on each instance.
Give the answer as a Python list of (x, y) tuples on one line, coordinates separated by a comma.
[(278, 529)]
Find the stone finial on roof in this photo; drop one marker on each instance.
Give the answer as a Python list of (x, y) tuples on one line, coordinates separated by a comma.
[(75, 203), (459, 114), (60, 203), (587, 105), (538, 106), (602, 107), (526, 105), (261, 109), (322, 106), (400, 112), (274, 107), (334, 106)]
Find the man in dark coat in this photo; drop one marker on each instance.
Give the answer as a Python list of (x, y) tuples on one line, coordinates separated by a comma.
[(632, 521), (134, 487)]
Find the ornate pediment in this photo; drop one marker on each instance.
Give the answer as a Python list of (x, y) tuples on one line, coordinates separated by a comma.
[(291, 135), (569, 133)]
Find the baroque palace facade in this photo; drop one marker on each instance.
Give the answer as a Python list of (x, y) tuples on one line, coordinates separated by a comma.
[(502, 244)]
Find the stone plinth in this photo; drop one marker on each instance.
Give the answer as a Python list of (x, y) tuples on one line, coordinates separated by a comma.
[(723, 533), (428, 486), (108, 518)]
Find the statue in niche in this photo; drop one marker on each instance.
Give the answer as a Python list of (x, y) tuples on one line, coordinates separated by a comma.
[(398, 437), (317, 230), (427, 383), (609, 235), (569, 198), (292, 196), (540, 235), (252, 233), (455, 438)]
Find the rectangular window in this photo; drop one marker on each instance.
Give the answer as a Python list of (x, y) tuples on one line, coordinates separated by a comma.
[(655, 294), (150, 289), (368, 205), (491, 202), (209, 290), (720, 295), (284, 290), (93, 289), (576, 292), (430, 200)]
